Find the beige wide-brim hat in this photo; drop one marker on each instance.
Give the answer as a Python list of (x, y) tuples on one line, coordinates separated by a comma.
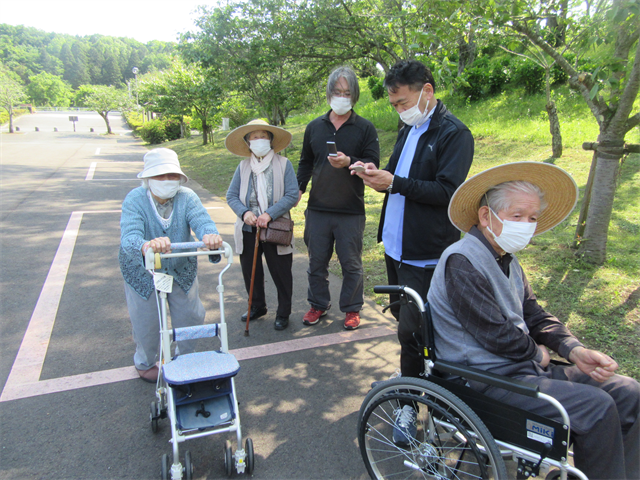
[(235, 140), (160, 161), (560, 193)]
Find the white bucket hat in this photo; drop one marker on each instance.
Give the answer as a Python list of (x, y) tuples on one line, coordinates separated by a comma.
[(160, 161)]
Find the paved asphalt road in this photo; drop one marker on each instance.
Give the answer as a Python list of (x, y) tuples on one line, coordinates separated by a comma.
[(71, 405)]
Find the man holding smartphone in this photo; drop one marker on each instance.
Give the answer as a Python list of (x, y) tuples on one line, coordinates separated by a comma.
[(335, 212), (431, 158)]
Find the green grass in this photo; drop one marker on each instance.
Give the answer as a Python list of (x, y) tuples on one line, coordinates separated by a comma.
[(601, 305)]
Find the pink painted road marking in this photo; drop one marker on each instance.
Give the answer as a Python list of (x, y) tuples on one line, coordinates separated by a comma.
[(28, 363), (35, 388), (24, 378)]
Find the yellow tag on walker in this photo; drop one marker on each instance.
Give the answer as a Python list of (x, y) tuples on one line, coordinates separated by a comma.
[(163, 282)]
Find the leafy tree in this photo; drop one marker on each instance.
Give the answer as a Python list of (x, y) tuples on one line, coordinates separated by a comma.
[(609, 90), (50, 90), (255, 45), (104, 100), (11, 93), (184, 89)]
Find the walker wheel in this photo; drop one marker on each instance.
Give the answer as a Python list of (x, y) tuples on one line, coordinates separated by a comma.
[(228, 459), (248, 448), (188, 465), (166, 467), (153, 416)]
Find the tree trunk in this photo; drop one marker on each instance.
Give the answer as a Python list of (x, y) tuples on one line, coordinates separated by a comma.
[(586, 200), (554, 123), (466, 52), (106, 120), (594, 244), (205, 130), (10, 118), (554, 127)]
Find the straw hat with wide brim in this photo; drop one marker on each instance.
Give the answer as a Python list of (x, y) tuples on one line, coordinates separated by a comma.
[(560, 193), (235, 140)]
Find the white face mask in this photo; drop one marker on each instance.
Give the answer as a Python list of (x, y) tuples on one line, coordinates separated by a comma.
[(413, 116), (515, 235), (340, 105), (260, 147), (164, 189)]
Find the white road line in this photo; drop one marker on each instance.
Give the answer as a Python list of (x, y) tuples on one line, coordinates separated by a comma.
[(97, 151), (92, 170)]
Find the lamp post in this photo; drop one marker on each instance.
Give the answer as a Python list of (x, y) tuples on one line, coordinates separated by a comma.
[(135, 71)]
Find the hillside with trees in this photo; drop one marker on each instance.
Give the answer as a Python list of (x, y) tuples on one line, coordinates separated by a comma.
[(94, 60)]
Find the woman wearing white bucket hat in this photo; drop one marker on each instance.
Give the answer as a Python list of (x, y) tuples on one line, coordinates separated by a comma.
[(486, 315), (154, 215), (263, 188)]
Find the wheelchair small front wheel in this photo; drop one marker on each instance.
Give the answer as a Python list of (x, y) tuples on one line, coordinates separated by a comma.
[(447, 439)]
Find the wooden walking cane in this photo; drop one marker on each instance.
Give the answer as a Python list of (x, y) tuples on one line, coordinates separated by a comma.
[(253, 277)]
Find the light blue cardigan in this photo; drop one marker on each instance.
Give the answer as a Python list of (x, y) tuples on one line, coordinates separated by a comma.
[(139, 223)]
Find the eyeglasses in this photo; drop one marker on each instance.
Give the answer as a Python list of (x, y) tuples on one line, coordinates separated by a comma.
[(341, 93)]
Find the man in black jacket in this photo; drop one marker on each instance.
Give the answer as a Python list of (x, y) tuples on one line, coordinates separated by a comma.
[(335, 212), (431, 158)]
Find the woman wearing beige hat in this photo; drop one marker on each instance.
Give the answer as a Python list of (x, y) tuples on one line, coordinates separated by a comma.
[(154, 215), (263, 188)]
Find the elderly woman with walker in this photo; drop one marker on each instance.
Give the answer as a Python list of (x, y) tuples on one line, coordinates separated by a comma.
[(154, 215), (263, 188)]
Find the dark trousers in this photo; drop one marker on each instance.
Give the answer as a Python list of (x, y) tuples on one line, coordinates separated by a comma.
[(279, 267), (605, 417), (408, 316), (321, 231)]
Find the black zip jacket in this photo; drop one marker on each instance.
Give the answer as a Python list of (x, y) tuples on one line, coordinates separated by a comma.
[(441, 163), (335, 189)]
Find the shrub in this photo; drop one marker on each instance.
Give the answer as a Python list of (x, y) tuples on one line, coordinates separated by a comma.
[(375, 87), (153, 131), (171, 128), (531, 76)]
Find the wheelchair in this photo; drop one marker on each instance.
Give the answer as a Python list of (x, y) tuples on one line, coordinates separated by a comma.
[(461, 433)]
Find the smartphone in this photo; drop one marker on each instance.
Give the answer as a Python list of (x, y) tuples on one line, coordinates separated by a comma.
[(333, 151), (358, 168)]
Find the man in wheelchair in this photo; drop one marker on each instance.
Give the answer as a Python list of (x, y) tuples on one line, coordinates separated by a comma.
[(485, 315)]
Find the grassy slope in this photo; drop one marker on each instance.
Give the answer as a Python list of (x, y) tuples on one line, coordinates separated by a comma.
[(599, 304)]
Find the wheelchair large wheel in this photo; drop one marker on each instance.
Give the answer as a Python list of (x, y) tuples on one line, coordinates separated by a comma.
[(451, 441)]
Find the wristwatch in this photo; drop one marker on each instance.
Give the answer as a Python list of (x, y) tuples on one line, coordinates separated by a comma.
[(390, 187)]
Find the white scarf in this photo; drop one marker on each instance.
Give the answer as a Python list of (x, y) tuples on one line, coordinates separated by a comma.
[(258, 168)]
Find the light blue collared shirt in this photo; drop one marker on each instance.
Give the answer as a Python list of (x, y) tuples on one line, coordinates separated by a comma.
[(394, 213)]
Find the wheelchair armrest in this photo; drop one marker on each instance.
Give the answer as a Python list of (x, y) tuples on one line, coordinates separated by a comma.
[(500, 381)]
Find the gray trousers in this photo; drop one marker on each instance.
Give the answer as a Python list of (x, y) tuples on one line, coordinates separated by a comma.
[(321, 231), (605, 417), (186, 310)]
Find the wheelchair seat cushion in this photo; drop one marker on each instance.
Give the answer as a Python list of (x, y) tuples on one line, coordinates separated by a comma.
[(200, 366)]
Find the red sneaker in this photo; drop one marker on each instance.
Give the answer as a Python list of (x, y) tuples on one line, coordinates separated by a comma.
[(352, 321), (313, 316)]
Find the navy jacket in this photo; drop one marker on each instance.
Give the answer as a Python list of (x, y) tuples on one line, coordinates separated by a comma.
[(441, 163)]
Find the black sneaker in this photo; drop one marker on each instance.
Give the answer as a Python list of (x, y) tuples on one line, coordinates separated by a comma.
[(281, 322), (255, 313)]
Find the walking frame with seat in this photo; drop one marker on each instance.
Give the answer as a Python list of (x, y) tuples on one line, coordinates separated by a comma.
[(461, 433), (196, 391)]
